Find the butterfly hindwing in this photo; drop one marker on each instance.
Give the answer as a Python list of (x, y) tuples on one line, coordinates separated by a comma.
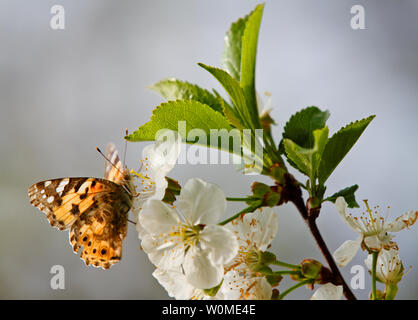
[(100, 232)]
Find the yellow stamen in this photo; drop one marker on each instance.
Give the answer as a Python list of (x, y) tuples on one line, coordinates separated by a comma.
[(140, 175), (369, 211)]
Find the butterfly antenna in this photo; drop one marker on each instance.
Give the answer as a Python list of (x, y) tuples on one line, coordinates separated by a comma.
[(125, 148), (106, 158)]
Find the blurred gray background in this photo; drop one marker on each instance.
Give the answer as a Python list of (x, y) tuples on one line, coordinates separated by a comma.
[(64, 92)]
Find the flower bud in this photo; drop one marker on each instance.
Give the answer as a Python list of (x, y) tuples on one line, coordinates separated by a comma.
[(259, 189), (271, 199), (277, 172), (274, 279), (269, 196), (258, 261), (297, 276), (311, 268)]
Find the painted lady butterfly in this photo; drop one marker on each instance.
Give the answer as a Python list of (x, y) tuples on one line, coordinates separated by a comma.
[(95, 210)]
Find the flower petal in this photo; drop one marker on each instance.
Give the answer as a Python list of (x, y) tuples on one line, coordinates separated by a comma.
[(389, 268), (175, 282), (162, 155), (201, 202), (373, 243), (348, 219), (169, 147), (163, 253), (346, 252), (157, 218), (220, 242), (141, 230), (404, 221), (237, 286), (328, 292), (200, 271), (256, 228), (160, 185)]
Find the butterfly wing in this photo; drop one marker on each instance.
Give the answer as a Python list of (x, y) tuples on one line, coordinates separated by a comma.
[(101, 231), (95, 207), (113, 170), (64, 200)]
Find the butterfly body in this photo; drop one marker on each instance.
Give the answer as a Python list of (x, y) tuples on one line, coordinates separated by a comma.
[(96, 210)]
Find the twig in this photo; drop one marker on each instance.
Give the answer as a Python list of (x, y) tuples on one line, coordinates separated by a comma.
[(310, 220)]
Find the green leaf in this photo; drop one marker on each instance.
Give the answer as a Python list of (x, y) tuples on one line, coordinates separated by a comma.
[(307, 159), (301, 125), (300, 157), (248, 58), (231, 59), (173, 89), (348, 194), (232, 116), (320, 141), (339, 145), (235, 92), (195, 114)]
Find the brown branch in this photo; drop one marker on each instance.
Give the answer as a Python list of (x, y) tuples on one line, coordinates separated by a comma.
[(309, 216)]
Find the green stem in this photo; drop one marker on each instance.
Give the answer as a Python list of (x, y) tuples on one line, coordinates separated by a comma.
[(374, 264), (238, 199), (286, 265), (286, 272), (246, 210), (282, 272), (391, 291), (298, 285)]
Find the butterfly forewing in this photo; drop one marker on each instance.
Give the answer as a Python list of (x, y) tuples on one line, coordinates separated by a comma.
[(63, 200), (113, 170)]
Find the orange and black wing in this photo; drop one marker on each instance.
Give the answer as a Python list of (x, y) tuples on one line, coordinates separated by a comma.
[(96, 209)]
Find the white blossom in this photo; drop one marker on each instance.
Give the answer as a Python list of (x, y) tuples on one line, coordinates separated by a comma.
[(389, 268), (158, 159), (240, 286), (373, 230), (254, 232), (177, 286), (175, 283), (328, 291), (187, 236)]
